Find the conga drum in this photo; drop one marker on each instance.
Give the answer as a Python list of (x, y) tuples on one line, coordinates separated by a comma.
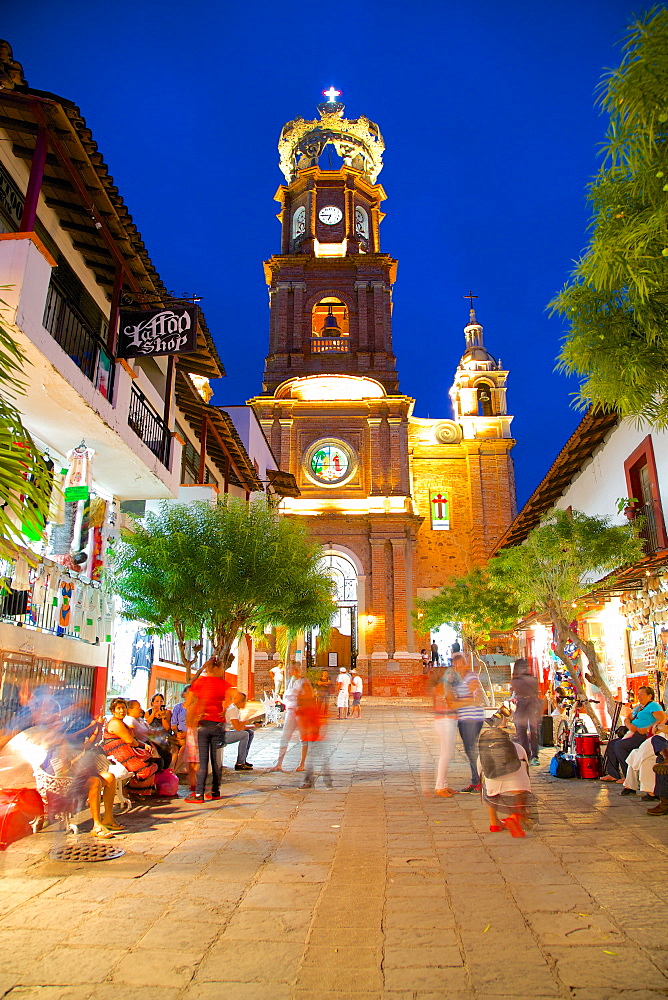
[(587, 746), (588, 750)]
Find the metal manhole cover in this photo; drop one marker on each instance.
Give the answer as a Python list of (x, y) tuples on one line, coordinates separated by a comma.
[(86, 850)]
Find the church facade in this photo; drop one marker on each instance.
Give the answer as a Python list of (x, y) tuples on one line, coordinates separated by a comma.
[(401, 504)]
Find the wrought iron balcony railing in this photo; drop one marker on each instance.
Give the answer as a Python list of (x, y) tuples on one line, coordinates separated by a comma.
[(148, 426), (85, 348)]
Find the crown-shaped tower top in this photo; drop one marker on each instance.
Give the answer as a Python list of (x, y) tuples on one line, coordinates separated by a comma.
[(357, 140)]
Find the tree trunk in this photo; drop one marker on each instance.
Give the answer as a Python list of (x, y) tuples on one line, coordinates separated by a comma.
[(564, 634), (594, 671), (187, 661), (471, 643)]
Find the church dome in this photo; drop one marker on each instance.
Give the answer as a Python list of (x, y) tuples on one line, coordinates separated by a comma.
[(478, 356)]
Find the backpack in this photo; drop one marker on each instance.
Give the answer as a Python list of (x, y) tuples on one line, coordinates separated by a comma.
[(498, 754), (562, 767)]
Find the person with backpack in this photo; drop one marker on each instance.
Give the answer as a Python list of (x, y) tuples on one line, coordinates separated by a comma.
[(506, 786)]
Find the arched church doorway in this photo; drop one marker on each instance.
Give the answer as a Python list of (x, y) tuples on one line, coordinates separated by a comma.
[(339, 649)]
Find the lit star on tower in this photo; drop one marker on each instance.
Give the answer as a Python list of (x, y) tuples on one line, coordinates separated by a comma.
[(331, 95)]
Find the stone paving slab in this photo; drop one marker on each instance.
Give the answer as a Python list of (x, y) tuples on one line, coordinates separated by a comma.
[(374, 891)]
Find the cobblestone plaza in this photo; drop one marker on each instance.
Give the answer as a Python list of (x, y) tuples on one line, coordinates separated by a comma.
[(373, 890)]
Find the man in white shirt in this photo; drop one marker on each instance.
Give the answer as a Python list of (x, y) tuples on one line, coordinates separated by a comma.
[(356, 689), (277, 677), (236, 731), (343, 682), (290, 700)]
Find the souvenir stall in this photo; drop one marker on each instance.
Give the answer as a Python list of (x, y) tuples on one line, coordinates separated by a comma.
[(54, 583), (646, 613)]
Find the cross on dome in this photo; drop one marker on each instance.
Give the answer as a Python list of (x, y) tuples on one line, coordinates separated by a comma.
[(331, 95)]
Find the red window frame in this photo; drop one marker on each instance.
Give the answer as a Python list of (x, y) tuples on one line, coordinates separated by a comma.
[(644, 455)]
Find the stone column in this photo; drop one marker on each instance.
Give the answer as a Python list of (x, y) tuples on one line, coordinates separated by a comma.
[(377, 639), (375, 459), (281, 310), (362, 325), (399, 559), (298, 288), (398, 464), (476, 502), (286, 443)]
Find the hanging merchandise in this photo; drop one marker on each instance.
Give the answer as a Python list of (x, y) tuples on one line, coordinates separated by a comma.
[(40, 595), (79, 479), (52, 586), (107, 622), (142, 652), (20, 579), (56, 513), (90, 626), (95, 561), (65, 592), (33, 522), (98, 512), (63, 532), (77, 615)]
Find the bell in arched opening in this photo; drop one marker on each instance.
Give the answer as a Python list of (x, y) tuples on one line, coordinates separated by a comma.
[(331, 327), (485, 400)]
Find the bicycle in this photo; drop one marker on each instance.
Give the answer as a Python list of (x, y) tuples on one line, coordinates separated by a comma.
[(572, 726)]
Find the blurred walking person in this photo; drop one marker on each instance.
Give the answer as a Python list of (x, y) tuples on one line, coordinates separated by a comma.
[(312, 723), (290, 700), (528, 708), (445, 727), (470, 713)]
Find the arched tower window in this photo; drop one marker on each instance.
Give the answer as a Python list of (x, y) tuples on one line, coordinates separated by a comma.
[(330, 318), (484, 390), (361, 222), (299, 222)]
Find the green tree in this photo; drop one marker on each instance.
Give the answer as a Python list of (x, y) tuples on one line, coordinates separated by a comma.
[(616, 303), (471, 606), (224, 569), (474, 607), (557, 564), (23, 471)]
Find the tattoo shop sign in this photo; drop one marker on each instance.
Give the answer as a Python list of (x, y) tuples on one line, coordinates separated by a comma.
[(158, 332)]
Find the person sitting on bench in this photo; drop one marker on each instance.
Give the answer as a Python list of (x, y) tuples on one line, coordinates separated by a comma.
[(639, 722), (235, 730)]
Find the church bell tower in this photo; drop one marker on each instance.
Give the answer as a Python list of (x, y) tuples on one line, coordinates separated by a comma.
[(331, 407), (331, 286)]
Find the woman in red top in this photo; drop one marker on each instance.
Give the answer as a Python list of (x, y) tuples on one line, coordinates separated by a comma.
[(204, 709)]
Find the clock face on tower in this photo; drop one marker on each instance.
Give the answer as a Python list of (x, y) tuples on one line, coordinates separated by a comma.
[(330, 215)]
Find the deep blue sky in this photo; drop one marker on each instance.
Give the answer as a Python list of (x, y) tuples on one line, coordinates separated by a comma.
[(487, 110)]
